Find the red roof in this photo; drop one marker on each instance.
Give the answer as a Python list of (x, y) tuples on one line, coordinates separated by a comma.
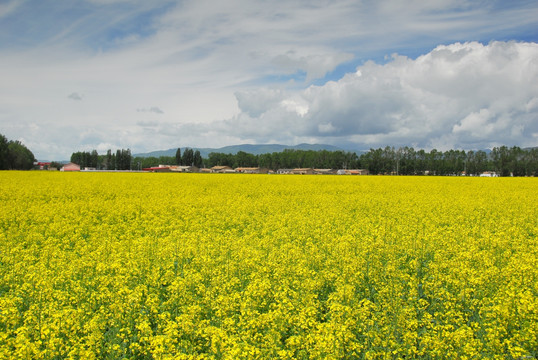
[(157, 168)]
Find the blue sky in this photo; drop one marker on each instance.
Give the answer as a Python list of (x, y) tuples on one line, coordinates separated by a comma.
[(99, 74)]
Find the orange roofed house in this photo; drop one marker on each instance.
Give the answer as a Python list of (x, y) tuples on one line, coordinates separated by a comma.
[(70, 167)]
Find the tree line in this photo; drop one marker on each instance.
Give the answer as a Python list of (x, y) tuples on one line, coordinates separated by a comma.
[(288, 159), (188, 157), (502, 160), (14, 155), (120, 160), (505, 161)]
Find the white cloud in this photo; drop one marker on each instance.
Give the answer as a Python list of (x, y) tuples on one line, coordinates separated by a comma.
[(326, 128), (243, 70), (476, 123), (462, 95), (256, 102), (300, 108)]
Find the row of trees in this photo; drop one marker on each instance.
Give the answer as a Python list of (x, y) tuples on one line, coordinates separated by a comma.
[(121, 160), (503, 160), (14, 155), (389, 160), (288, 158), (407, 161), (189, 158)]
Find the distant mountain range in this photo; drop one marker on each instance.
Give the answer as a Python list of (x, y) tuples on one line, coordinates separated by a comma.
[(248, 148)]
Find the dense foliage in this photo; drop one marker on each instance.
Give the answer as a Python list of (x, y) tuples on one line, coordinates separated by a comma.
[(322, 159), (407, 161), (402, 161), (194, 266), (189, 157), (14, 155), (121, 160)]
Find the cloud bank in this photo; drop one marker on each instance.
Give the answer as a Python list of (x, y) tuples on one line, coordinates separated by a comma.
[(256, 71), (463, 95)]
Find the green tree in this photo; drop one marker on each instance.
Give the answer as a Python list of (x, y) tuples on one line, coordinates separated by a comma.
[(4, 153), (220, 159), (501, 157), (178, 156), (19, 156), (373, 160), (108, 160), (125, 163), (243, 159), (55, 165), (266, 161), (435, 165), (117, 165), (188, 157), (407, 161), (76, 158), (94, 159), (198, 161), (532, 161), (518, 163)]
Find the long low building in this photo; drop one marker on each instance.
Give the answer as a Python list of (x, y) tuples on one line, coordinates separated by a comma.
[(172, 168), (252, 170), (325, 171), (185, 169), (159, 168), (70, 167), (303, 171), (353, 172), (222, 169)]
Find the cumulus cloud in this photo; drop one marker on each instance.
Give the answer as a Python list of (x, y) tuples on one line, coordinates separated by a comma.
[(463, 95), (242, 71)]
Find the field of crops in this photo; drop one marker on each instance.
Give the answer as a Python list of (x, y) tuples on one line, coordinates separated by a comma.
[(193, 266)]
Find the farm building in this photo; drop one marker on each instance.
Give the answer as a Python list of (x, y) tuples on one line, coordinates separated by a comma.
[(222, 169), (70, 167), (160, 168), (353, 172), (252, 170), (303, 171), (185, 169), (324, 171), (42, 165)]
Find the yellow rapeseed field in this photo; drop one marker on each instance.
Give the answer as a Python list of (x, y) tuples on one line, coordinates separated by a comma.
[(209, 266)]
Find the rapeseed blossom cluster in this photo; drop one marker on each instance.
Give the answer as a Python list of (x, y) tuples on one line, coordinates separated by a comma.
[(208, 266)]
